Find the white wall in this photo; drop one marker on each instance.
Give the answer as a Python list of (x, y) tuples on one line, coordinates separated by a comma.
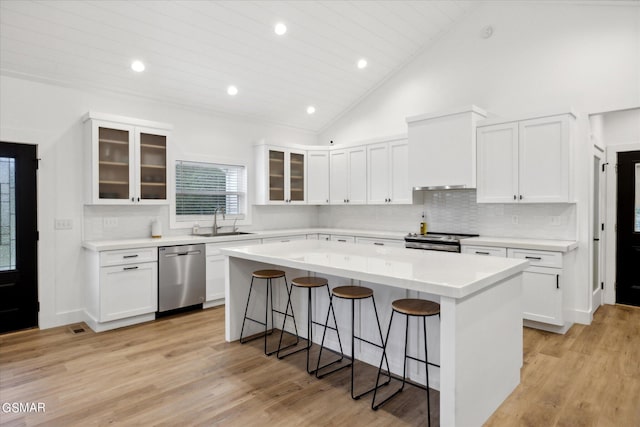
[(541, 57), (50, 116)]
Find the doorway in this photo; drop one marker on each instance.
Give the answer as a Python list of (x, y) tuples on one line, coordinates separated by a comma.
[(628, 229), (597, 227), (18, 237)]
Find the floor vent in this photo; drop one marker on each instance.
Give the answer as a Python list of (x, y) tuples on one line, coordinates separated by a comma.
[(77, 329)]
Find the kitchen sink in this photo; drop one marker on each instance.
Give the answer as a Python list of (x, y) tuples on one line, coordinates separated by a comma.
[(229, 233)]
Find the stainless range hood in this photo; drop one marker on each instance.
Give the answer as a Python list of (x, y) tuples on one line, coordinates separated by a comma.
[(442, 149)]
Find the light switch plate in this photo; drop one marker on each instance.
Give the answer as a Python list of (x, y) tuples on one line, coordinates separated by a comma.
[(110, 221), (63, 224)]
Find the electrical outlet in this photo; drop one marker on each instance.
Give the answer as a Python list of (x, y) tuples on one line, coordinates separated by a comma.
[(555, 220), (515, 219), (110, 221), (63, 224)]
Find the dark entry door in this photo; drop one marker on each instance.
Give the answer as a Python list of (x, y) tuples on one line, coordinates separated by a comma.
[(628, 225), (18, 237)]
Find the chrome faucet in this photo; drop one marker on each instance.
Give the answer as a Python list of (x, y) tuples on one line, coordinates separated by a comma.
[(215, 220)]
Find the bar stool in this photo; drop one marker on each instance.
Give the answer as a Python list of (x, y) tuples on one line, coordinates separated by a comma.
[(417, 308), (352, 293), (309, 283), (268, 275)]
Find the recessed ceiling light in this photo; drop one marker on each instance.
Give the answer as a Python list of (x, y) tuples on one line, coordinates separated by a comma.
[(232, 90), (362, 63), (137, 66), (280, 28), (311, 109)]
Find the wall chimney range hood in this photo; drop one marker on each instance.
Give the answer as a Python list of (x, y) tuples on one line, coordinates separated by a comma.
[(442, 149)]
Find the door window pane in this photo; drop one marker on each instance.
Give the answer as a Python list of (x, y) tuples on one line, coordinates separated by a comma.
[(7, 214), (636, 227)]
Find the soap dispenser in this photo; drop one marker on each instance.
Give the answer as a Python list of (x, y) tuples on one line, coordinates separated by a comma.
[(156, 228)]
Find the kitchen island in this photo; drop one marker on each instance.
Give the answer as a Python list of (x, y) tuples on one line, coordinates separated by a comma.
[(480, 345)]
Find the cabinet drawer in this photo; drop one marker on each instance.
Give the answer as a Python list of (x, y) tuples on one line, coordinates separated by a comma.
[(380, 242), (214, 248), (284, 238), (343, 239), (537, 258), (485, 250), (128, 256)]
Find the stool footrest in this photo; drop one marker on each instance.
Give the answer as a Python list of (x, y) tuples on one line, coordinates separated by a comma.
[(421, 361)]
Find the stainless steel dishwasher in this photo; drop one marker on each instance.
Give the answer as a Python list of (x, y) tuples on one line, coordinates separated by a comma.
[(182, 280)]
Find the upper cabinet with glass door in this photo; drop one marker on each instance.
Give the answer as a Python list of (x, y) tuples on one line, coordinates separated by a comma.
[(280, 175), (126, 160)]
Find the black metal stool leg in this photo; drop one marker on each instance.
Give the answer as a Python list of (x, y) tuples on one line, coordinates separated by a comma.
[(384, 355), (324, 333), (375, 310), (246, 309), (426, 365)]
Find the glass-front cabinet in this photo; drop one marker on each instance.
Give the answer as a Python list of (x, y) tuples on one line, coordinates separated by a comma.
[(126, 164), (280, 175)]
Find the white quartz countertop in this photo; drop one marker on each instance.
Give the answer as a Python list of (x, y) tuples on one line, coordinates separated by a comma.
[(440, 273), (145, 242), (522, 243)]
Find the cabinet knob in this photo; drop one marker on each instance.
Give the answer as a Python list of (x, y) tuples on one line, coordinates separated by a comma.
[(521, 197), (327, 200), (133, 200), (514, 197), (138, 198), (389, 200)]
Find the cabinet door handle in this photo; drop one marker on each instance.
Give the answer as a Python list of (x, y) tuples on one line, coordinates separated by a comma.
[(133, 200), (284, 241), (130, 268), (389, 200), (514, 197), (521, 197), (138, 198), (130, 256), (378, 243), (342, 240), (557, 281), (537, 258), (482, 253)]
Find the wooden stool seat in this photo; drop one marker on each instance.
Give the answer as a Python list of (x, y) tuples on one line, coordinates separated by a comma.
[(268, 274), (352, 292), (416, 307), (309, 282)]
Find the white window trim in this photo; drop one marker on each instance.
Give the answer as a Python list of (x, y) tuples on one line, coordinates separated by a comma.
[(188, 224)]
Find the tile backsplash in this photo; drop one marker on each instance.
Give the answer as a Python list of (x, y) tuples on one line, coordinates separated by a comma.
[(454, 211)]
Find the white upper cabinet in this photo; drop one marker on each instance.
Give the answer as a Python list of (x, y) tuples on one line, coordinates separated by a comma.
[(387, 170), (126, 160), (525, 161), (318, 177), (442, 148), (280, 175), (348, 175)]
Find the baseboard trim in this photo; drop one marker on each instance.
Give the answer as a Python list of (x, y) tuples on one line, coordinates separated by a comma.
[(60, 319)]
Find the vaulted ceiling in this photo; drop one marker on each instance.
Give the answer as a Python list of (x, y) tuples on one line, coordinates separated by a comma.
[(194, 50)]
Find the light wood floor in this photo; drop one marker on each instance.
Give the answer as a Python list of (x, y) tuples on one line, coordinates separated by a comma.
[(180, 371)]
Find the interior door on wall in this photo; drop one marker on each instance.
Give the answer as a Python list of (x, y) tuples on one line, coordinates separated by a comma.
[(628, 229), (18, 237)]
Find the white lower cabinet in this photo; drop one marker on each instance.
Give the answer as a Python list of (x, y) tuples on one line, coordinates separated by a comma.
[(542, 285), (380, 242), (122, 287), (284, 239), (215, 271)]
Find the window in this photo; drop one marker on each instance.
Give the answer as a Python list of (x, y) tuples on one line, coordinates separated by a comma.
[(203, 187), (7, 214)]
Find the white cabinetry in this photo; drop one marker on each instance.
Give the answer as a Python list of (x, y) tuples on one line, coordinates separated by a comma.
[(215, 270), (380, 242), (126, 160), (442, 148), (542, 286), (348, 176), (122, 287), (525, 161), (342, 238), (318, 177), (388, 173), (280, 175), (284, 239)]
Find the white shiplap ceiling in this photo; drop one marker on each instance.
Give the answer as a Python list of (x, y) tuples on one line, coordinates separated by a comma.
[(193, 50)]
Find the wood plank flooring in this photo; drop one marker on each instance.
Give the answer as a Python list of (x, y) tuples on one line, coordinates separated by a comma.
[(180, 371)]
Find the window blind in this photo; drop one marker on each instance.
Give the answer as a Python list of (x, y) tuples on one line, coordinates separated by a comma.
[(202, 187)]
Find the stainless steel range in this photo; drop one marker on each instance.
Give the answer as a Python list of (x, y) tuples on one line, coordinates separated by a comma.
[(435, 241)]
